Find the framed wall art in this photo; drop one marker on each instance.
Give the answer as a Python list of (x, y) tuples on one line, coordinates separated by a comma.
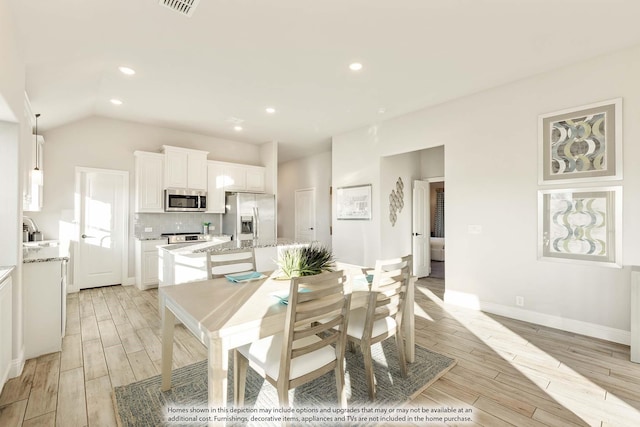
[(354, 202), (581, 144), (581, 225)]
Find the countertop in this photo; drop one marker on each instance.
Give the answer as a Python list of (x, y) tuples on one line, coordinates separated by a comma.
[(5, 271), (191, 248), (44, 254)]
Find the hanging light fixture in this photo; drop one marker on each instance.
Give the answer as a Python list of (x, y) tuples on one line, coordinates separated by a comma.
[(36, 173)]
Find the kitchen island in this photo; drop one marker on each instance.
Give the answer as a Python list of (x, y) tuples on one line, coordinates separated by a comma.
[(186, 262)]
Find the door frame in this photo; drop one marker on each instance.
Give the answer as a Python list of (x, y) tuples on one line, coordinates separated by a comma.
[(124, 234), (295, 212)]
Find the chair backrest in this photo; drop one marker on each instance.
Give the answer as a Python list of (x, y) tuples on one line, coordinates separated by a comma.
[(388, 292), (229, 262), (317, 305)]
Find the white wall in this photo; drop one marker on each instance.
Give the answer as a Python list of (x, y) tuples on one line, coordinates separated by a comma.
[(432, 162), (99, 142), (490, 140), (397, 237), (309, 172), (12, 77)]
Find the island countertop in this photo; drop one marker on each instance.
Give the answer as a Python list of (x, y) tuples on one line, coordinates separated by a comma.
[(222, 246)]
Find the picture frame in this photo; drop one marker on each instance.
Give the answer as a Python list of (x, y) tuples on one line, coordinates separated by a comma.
[(582, 225), (354, 202), (581, 144)]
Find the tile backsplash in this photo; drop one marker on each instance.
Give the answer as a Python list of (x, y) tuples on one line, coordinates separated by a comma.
[(174, 222)]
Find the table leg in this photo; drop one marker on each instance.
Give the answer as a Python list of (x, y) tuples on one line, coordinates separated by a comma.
[(218, 373), (168, 325), (410, 322)]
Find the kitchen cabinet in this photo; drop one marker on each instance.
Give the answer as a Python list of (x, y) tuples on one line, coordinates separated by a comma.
[(6, 330), (215, 187), (149, 170), (255, 179), (185, 168), (44, 302), (147, 263)]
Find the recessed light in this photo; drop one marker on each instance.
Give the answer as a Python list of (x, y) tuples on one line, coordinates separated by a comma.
[(116, 101), (270, 110), (126, 70), (382, 110), (237, 128), (356, 66)]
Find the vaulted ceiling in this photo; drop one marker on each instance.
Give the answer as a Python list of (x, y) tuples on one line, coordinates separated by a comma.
[(231, 59)]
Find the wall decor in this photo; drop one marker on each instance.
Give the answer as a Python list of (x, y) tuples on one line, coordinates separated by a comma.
[(353, 202), (396, 201), (583, 225), (581, 144)]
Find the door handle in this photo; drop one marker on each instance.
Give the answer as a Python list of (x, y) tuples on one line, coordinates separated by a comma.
[(417, 234), (311, 228), (84, 236)]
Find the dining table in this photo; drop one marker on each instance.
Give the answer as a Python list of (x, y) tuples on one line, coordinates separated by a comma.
[(225, 315)]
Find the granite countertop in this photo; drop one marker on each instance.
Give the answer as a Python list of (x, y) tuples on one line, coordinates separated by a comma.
[(222, 246), (44, 254), (5, 271)]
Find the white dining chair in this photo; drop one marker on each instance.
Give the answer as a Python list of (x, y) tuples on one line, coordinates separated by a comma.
[(306, 349), (229, 262), (382, 317)]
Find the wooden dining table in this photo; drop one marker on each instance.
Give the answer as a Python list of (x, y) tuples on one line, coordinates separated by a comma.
[(225, 315)]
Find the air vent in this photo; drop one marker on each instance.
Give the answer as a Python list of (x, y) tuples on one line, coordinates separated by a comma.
[(184, 7)]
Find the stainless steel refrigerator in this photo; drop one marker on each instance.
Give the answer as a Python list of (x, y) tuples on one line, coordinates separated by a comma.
[(250, 216)]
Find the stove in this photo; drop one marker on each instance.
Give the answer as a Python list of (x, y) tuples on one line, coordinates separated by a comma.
[(185, 237)]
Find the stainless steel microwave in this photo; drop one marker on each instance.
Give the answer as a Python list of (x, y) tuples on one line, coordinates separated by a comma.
[(184, 200)]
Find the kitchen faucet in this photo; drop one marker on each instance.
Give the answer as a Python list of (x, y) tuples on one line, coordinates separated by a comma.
[(31, 224)]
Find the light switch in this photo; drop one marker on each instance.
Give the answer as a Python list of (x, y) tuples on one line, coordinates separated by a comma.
[(148, 229)]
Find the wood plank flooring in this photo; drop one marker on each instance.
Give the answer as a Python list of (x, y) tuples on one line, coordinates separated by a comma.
[(509, 373)]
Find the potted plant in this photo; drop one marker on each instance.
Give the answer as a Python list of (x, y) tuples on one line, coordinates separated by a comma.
[(305, 261)]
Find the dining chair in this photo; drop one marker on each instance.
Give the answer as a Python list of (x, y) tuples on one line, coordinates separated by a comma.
[(229, 262), (382, 317), (306, 350)]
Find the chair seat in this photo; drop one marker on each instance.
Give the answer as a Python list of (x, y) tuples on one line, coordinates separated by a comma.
[(357, 318), (266, 354)]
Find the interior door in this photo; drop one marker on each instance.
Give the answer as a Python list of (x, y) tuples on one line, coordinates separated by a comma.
[(101, 214), (305, 216), (421, 229)]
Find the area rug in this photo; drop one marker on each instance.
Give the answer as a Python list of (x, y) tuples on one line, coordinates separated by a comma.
[(144, 404)]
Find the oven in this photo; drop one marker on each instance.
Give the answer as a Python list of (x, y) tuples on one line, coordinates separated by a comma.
[(184, 200)]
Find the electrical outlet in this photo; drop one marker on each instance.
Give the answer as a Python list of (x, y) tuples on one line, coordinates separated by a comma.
[(520, 301), (148, 229)]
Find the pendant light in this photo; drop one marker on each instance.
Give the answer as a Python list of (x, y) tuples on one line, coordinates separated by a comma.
[(36, 173)]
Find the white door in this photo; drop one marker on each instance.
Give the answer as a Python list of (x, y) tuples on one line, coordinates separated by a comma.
[(101, 213), (305, 201), (421, 229)]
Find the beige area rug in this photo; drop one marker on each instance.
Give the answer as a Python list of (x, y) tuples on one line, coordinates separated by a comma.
[(144, 404)]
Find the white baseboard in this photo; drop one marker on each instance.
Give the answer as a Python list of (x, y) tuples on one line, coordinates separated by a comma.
[(17, 365), (593, 330), (129, 281)]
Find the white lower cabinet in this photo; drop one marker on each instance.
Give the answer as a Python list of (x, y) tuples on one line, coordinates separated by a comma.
[(147, 263), (5, 330), (44, 305)]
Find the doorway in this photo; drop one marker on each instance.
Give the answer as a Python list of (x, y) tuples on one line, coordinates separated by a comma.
[(305, 215), (101, 212), (436, 207)]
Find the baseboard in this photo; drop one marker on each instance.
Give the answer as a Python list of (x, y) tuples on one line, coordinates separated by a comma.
[(593, 330), (129, 281), (17, 365)]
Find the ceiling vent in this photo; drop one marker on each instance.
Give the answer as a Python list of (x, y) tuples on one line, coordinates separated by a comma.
[(184, 7)]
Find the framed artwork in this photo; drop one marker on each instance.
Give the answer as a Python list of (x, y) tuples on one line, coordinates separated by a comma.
[(581, 225), (354, 202), (581, 144)]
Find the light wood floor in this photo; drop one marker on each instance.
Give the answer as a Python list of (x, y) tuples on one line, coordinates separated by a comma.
[(508, 372)]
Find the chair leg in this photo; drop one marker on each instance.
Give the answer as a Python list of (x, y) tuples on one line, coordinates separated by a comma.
[(368, 372), (342, 392), (240, 367), (402, 359), (283, 397)]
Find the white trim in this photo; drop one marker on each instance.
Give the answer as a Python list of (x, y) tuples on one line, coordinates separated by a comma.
[(593, 330), (17, 365), (129, 281), (434, 179)]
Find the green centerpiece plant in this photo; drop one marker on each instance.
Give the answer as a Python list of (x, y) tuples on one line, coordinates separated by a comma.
[(305, 261)]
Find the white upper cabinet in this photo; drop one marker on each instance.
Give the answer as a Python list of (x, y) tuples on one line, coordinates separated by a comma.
[(185, 168), (149, 182), (215, 187), (255, 179), (243, 178)]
